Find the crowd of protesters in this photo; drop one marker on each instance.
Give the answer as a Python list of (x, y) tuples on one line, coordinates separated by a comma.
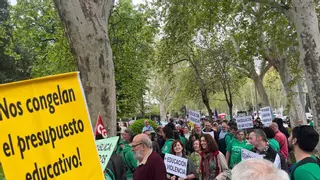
[(213, 150)]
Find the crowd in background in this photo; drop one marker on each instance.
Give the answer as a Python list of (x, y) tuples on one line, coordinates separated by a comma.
[(213, 150)]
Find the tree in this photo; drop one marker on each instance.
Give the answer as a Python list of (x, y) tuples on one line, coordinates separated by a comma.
[(37, 32), (86, 26), (11, 69), (304, 17), (131, 37)]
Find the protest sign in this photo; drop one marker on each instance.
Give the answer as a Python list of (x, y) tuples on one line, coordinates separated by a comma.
[(105, 149), (246, 154), (266, 116), (194, 116), (277, 162), (46, 130), (244, 122), (211, 133), (176, 165)]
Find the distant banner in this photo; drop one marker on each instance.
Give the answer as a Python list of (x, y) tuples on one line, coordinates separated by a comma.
[(246, 154), (105, 149), (194, 116), (266, 116), (244, 122), (176, 165)]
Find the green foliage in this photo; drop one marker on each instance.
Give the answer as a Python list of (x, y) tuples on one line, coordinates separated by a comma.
[(138, 125), (10, 69), (39, 33), (131, 35), (2, 176)]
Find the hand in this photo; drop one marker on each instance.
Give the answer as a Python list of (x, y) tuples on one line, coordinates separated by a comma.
[(180, 178), (173, 177)]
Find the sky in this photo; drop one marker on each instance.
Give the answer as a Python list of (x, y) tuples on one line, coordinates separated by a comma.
[(14, 2)]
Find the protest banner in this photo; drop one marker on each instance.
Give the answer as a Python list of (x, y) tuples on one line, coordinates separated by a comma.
[(244, 122), (176, 165), (266, 116), (46, 131), (105, 149), (277, 162), (99, 129), (210, 133), (246, 154), (194, 116)]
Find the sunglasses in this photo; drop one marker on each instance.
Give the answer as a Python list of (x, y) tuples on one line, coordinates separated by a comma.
[(133, 146)]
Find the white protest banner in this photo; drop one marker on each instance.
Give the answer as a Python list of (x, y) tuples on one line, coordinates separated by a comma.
[(246, 154), (176, 165), (194, 116), (211, 133), (277, 162), (244, 122), (266, 116), (105, 149)]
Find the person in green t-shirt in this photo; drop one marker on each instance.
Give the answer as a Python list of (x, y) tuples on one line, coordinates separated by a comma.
[(303, 140), (230, 135), (270, 136), (233, 155), (168, 136)]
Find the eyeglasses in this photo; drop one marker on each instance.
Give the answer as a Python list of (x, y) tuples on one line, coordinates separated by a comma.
[(133, 146)]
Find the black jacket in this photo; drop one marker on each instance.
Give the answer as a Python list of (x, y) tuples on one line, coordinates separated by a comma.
[(116, 165), (270, 154)]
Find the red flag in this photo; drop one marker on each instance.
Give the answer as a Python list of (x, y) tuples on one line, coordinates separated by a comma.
[(99, 128)]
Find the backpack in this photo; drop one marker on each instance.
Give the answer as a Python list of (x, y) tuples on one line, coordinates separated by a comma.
[(222, 144), (304, 161)]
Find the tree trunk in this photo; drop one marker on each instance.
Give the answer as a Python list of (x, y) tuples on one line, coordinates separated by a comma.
[(294, 103), (86, 26), (261, 90), (306, 22), (163, 112), (203, 89)]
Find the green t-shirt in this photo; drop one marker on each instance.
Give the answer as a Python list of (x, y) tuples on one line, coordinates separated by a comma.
[(311, 123), (274, 144), (167, 146), (183, 140), (228, 138), (128, 158), (248, 146), (308, 171), (234, 148)]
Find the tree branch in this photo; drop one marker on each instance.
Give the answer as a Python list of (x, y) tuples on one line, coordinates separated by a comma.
[(265, 69), (281, 7), (170, 64)]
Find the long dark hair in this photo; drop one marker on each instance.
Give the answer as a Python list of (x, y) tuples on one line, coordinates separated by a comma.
[(211, 143)]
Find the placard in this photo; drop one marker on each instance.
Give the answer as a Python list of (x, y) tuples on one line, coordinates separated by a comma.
[(46, 130), (194, 116), (105, 149), (176, 165), (244, 122), (246, 154), (266, 116)]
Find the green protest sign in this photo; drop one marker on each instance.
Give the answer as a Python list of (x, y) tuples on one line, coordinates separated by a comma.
[(105, 149)]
